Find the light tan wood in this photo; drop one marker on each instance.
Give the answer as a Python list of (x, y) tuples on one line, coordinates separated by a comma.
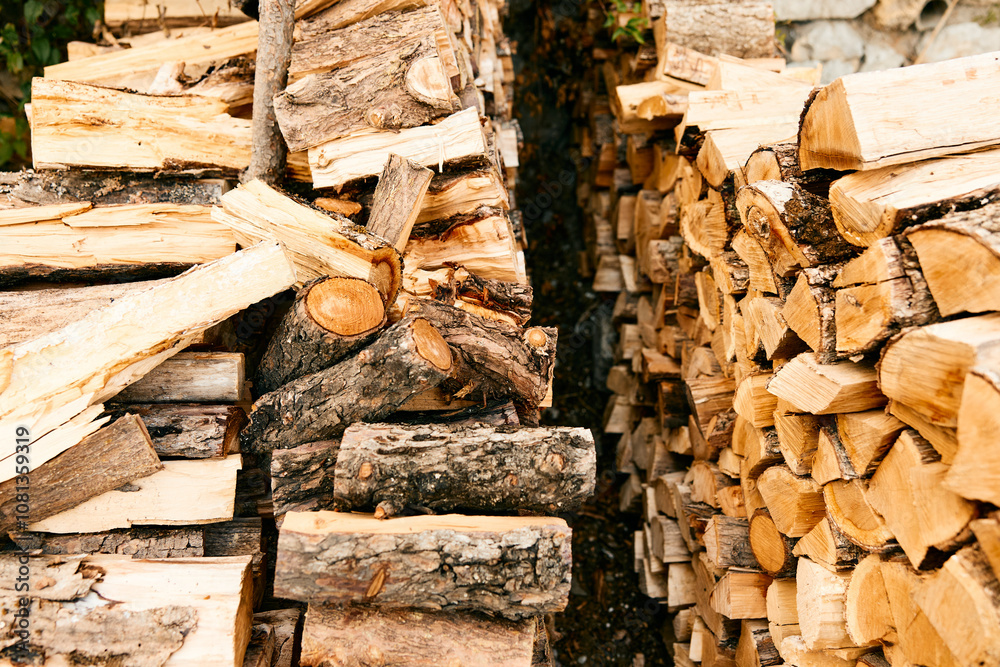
[(795, 503), (178, 13), (975, 470), (450, 195), (918, 641), (848, 509), (866, 437), (772, 550), (798, 439), (397, 200), (847, 126), (826, 388), (725, 151), (741, 594), (820, 598), (869, 617), (827, 546)]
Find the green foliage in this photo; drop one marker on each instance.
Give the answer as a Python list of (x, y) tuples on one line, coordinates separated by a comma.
[(633, 28), (33, 34)]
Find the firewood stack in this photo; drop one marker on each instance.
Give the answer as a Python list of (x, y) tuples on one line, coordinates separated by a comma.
[(806, 387), (317, 395)]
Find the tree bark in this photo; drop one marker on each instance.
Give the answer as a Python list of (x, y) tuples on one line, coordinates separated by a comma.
[(115, 455), (139, 542), (302, 477), (191, 431), (408, 358), (397, 200), (350, 636), (109, 188), (744, 31), (513, 566), (474, 468), (330, 318), (274, 53)]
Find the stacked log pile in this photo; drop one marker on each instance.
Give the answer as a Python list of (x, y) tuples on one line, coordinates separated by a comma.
[(806, 377), (276, 396)]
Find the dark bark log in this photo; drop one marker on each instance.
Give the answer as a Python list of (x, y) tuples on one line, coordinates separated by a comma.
[(397, 200), (409, 357), (105, 460), (496, 413), (302, 477), (391, 91), (138, 542), (274, 53), (107, 188), (497, 359), (780, 162), (239, 537), (512, 566), (512, 300), (350, 637), (477, 468), (23, 273), (331, 318), (190, 431)]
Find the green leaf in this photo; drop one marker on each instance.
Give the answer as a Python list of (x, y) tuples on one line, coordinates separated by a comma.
[(15, 62), (32, 12), (610, 21), (43, 51)]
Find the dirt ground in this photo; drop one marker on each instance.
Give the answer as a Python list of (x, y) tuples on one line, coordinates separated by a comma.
[(609, 621)]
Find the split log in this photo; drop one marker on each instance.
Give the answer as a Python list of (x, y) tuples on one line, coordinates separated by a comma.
[(397, 200), (741, 594), (330, 318), (120, 14), (826, 545), (454, 194), (105, 351), (792, 225), (780, 162), (777, 337), (320, 245), (184, 492), (493, 299), (119, 242), (955, 247), (850, 512), (866, 437), (748, 249), (822, 389), (648, 106), (974, 471), (274, 51), (754, 402), (708, 397), (139, 542), (867, 611), (844, 127), (727, 543), (496, 359), (458, 137), (798, 440), (771, 549), (934, 389), (510, 566), (115, 455), (908, 485), (390, 468), (109, 188), (403, 88), (80, 125), (322, 16), (756, 647), (795, 503), (917, 640), (810, 312), (870, 205), (349, 637), (407, 358), (190, 377), (191, 431), (820, 598), (724, 151)]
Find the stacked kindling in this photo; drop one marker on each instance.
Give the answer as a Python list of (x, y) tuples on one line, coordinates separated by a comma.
[(808, 378), (198, 377)]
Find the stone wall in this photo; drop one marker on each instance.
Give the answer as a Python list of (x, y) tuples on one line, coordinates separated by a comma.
[(848, 36)]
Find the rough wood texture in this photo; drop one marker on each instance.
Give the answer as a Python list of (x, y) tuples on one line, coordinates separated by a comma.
[(397, 200), (349, 637), (109, 188), (190, 377), (402, 88), (826, 388), (302, 477), (80, 125), (505, 565), (274, 52), (975, 470), (846, 125), (780, 162), (772, 550), (742, 30), (409, 357), (497, 359), (850, 512), (115, 455), (330, 318), (319, 244), (139, 542), (191, 431), (479, 468)]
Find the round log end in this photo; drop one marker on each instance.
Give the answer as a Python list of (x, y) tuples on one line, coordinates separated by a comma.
[(345, 306), (536, 337), (768, 544), (431, 345)]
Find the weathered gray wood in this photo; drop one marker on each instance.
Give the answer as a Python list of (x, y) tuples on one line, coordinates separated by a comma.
[(105, 460), (478, 468), (506, 565), (409, 357), (107, 188), (190, 431), (398, 196), (274, 51), (138, 542)]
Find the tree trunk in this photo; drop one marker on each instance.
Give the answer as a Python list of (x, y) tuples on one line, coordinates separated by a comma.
[(478, 468), (330, 318), (407, 358), (274, 53), (510, 566)]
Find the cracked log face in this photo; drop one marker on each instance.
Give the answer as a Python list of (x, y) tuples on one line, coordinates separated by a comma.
[(512, 566)]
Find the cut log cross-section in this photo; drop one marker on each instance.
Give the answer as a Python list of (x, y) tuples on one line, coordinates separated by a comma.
[(478, 468), (330, 318), (511, 566)]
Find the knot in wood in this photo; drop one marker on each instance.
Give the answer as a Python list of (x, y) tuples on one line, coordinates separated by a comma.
[(536, 337), (512, 479), (757, 223), (365, 471), (554, 462)]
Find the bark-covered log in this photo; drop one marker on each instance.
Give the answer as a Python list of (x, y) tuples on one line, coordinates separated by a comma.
[(138, 542), (397, 200), (113, 456), (408, 358), (274, 53), (108, 188), (331, 317), (302, 477), (479, 468), (497, 359), (191, 431), (349, 637), (513, 566)]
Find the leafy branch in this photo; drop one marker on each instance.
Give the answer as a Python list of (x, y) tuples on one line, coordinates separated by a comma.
[(631, 28)]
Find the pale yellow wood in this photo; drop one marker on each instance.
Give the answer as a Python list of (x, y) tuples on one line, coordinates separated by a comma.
[(726, 151), (484, 246), (821, 389), (20, 216), (176, 12)]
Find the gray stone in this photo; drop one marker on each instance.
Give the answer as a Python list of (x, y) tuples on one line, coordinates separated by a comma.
[(961, 40), (809, 10), (880, 56), (834, 69), (827, 40)]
